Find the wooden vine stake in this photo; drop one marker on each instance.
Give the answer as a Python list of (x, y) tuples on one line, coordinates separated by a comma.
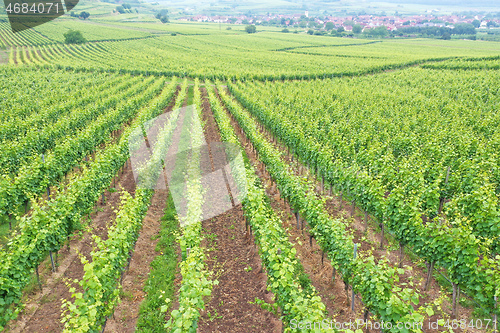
[(298, 218), (495, 318), (353, 207), (52, 261), (352, 296), (431, 268), (365, 317), (382, 236), (441, 200), (340, 199), (401, 254), (429, 275), (456, 297), (48, 187), (366, 221), (38, 278)]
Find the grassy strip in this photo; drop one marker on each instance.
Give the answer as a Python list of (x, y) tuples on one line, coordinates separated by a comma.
[(160, 284)]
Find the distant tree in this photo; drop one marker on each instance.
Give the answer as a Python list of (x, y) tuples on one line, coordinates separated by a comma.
[(381, 31), (357, 29), (291, 22), (163, 18), (446, 36), (329, 26), (251, 29), (464, 29), (302, 24), (310, 31), (126, 6), (283, 21), (285, 30), (340, 29), (73, 37), (245, 21), (84, 15), (228, 28), (406, 23), (476, 23), (120, 9), (72, 14), (491, 24)]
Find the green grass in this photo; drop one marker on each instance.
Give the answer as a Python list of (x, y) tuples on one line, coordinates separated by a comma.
[(190, 95), (160, 283)]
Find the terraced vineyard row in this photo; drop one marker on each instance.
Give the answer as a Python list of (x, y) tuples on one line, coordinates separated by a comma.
[(187, 56), (24, 38), (385, 167), (278, 255), (50, 223), (332, 236)]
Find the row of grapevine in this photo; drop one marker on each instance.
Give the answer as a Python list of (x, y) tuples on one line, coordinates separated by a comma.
[(20, 85), (331, 235), (196, 280), (276, 251), (36, 116), (108, 260), (23, 38), (18, 153), (90, 309), (48, 226), (34, 178), (455, 248), (456, 163), (187, 56)]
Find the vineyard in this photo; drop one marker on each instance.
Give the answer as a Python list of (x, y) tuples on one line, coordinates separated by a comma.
[(185, 178)]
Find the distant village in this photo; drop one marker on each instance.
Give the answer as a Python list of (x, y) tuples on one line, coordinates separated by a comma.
[(392, 23)]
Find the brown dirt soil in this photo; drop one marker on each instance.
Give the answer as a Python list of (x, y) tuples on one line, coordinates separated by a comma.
[(4, 57), (370, 241), (332, 293), (234, 258), (42, 311), (126, 313)]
